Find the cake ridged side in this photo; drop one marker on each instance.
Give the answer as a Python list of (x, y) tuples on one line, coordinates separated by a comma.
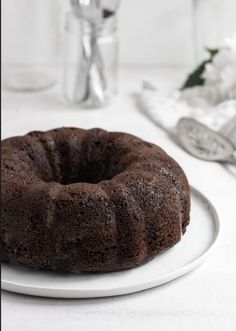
[(89, 200)]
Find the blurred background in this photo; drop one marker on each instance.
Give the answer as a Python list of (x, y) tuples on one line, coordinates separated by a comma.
[(45, 42), (151, 31)]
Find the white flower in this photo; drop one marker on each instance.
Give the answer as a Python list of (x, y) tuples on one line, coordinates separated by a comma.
[(221, 72), (231, 42), (220, 79)]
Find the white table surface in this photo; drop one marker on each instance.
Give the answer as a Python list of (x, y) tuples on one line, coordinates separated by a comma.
[(202, 300)]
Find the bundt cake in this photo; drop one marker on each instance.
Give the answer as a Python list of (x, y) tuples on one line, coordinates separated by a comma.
[(78, 200)]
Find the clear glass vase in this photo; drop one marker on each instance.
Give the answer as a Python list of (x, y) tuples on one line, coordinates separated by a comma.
[(90, 80), (213, 22), (31, 43)]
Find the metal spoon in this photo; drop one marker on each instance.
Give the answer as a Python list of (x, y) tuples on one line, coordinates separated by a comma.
[(204, 143), (92, 76), (110, 6), (90, 11), (95, 10)]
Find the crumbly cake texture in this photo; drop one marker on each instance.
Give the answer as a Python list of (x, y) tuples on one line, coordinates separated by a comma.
[(77, 200)]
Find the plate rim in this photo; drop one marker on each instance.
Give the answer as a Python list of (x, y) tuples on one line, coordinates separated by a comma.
[(55, 292)]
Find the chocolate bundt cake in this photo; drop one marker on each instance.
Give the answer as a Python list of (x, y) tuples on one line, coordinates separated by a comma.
[(78, 200)]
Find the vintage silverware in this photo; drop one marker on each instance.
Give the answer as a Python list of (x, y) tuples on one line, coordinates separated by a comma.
[(91, 82), (97, 79), (110, 6), (204, 143), (90, 11)]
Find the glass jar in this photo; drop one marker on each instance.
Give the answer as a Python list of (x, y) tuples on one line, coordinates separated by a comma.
[(31, 43), (214, 21), (91, 61)]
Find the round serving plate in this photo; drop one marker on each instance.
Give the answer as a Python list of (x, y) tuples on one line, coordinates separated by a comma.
[(188, 254)]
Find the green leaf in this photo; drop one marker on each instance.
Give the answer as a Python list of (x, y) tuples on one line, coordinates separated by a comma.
[(212, 51), (196, 77)]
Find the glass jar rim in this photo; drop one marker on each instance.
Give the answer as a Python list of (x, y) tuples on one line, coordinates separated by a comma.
[(74, 23)]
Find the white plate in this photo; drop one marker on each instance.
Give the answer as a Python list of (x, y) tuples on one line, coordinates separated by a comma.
[(188, 254)]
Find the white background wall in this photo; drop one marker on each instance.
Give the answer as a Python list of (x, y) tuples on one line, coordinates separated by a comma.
[(151, 31), (156, 31)]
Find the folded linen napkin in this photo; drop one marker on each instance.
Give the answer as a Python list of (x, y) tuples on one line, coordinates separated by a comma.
[(166, 110)]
